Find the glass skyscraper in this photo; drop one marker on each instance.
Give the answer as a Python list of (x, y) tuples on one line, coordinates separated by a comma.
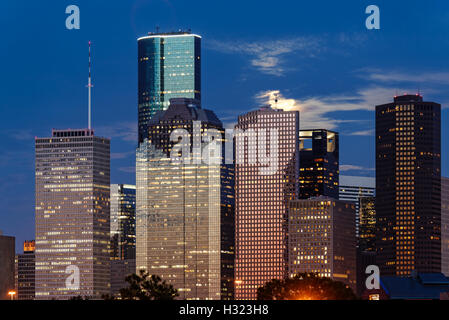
[(185, 212), (169, 66), (72, 215), (319, 163), (123, 234), (123, 221)]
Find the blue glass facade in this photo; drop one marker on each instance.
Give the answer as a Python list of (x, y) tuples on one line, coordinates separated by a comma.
[(169, 67)]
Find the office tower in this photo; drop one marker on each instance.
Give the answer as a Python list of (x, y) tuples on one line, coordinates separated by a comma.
[(408, 186), (123, 221), (445, 226), (352, 188), (321, 239), (267, 172), (366, 240), (7, 254), (123, 234), (319, 163), (72, 215), (185, 209), (25, 272), (169, 66)]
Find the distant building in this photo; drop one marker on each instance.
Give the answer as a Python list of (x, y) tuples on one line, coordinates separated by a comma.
[(367, 224), (319, 164), (321, 239), (352, 188), (445, 226), (417, 286), (408, 186), (7, 255), (72, 215), (366, 240), (123, 234), (185, 210), (169, 66), (26, 272), (262, 195)]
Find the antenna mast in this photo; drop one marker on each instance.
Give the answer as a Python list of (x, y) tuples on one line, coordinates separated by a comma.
[(89, 88)]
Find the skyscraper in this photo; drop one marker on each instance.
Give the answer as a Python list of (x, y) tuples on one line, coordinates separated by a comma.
[(26, 272), (169, 66), (319, 164), (72, 215), (267, 172), (408, 186), (445, 226), (185, 210), (352, 188), (123, 221), (7, 255), (321, 239), (123, 234)]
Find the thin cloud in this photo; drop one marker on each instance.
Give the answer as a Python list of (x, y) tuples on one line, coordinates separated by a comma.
[(268, 56), (314, 110), (369, 132), (350, 167), (409, 77), (121, 155), (126, 131)]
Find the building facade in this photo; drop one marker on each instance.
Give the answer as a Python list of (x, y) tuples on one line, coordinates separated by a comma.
[(26, 272), (72, 215), (7, 256), (267, 173), (123, 221), (445, 226), (408, 182), (319, 164), (185, 208), (123, 234), (352, 188), (322, 240), (169, 66)]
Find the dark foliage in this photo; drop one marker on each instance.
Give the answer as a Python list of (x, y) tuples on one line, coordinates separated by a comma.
[(305, 286)]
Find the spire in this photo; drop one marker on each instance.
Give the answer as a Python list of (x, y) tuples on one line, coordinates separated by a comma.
[(89, 88)]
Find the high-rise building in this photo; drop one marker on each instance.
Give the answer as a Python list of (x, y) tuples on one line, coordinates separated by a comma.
[(72, 215), (408, 186), (366, 239), (123, 221), (169, 66), (185, 209), (267, 173), (321, 239), (123, 234), (7, 255), (352, 188), (319, 164), (445, 226), (26, 272)]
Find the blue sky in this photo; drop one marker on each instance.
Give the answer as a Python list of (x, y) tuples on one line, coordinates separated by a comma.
[(317, 56)]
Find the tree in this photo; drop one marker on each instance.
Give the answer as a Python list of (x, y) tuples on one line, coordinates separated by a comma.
[(146, 287), (305, 286)]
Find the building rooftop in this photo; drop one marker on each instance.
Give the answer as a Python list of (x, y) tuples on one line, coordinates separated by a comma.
[(416, 286), (179, 33), (408, 98), (355, 181)]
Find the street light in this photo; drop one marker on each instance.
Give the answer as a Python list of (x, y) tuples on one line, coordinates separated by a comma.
[(12, 293)]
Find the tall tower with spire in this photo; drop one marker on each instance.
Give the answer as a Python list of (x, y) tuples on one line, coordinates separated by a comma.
[(72, 179)]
